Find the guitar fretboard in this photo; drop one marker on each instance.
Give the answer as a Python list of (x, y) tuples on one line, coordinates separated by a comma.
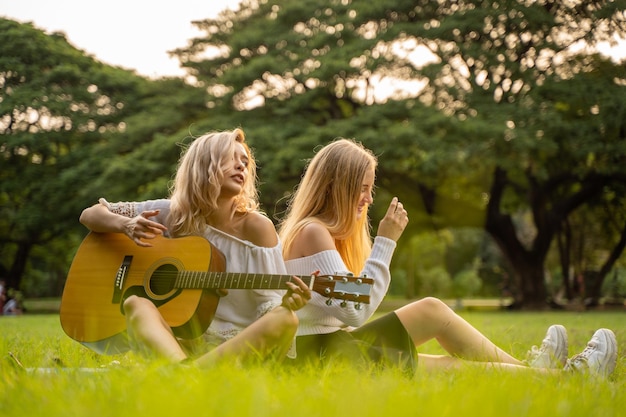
[(231, 280)]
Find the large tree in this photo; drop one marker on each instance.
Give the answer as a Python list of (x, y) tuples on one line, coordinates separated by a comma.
[(496, 109), (55, 101), (560, 106), (64, 119)]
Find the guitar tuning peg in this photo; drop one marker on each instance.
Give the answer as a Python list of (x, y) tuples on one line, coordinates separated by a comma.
[(357, 306), (343, 304), (329, 301), (349, 274), (359, 281)]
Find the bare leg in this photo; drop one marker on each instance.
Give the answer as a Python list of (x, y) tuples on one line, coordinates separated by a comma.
[(272, 333), (430, 318), (150, 331), (442, 362)]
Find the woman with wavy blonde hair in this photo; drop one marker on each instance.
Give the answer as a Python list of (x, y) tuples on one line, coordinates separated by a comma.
[(326, 230), (214, 196), (196, 188)]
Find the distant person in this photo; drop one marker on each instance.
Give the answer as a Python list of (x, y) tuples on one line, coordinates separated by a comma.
[(326, 229), (10, 301), (12, 306), (3, 295), (214, 195)]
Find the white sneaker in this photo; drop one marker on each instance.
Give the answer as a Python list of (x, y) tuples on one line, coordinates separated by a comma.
[(599, 357), (553, 350)]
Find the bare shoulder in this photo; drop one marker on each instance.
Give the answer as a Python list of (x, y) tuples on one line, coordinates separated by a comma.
[(259, 230), (313, 238)]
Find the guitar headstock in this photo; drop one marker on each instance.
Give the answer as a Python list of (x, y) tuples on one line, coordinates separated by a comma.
[(347, 288)]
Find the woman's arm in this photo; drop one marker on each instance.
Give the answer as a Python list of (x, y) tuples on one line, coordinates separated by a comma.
[(98, 218)]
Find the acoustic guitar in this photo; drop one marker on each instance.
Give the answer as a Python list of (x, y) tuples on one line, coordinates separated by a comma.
[(180, 276)]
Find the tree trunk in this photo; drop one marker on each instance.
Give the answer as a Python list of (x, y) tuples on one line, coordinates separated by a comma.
[(16, 272), (596, 280), (527, 264), (564, 244), (530, 278)]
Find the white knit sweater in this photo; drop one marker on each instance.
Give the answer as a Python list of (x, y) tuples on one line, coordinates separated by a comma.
[(317, 317)]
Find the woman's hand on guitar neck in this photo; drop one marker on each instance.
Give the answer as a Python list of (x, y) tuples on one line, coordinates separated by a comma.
[(298, 294), (141, 227)]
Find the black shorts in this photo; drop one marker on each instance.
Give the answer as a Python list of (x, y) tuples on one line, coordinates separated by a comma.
[(382, 342)]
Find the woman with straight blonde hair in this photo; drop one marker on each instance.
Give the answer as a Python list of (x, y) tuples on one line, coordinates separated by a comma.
[(326, 229), (214, 195), (328, 199)]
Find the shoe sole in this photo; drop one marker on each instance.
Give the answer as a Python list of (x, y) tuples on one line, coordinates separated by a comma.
[(561, 339), (610, 341)]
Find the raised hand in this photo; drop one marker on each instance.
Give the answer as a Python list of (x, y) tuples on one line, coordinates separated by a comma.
[(394, 222)]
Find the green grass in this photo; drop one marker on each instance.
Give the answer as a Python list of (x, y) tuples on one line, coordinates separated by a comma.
[(138, 388)]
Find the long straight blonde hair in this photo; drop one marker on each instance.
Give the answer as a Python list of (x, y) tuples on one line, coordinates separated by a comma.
[(329, 193), (197, 183)]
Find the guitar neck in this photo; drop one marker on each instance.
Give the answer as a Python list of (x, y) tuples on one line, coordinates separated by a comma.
[(232, 280)]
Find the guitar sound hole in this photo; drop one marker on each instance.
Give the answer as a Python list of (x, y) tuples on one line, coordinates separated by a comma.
[(162, 281)]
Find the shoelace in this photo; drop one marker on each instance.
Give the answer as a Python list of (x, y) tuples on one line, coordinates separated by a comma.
[(591, 346), (577, 362), (582, 358), (535, 352)]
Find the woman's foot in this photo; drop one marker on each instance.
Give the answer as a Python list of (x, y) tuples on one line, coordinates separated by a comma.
[(553, 350), (599, 357)]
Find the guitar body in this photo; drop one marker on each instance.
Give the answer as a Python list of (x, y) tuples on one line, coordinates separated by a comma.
[(109, 267)]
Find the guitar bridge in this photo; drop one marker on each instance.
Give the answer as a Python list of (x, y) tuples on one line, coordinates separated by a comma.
[(120, 277)]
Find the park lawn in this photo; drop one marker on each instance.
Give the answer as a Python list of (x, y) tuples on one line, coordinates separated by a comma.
[(62, 378)]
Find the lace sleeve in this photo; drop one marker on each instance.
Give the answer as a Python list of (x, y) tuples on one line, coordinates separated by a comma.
[(124, 208)]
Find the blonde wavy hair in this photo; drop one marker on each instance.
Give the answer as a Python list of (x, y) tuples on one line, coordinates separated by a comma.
[(329, 193), (197, 183)]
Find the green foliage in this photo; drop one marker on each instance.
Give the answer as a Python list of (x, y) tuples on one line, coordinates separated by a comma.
[(57, 106), (615, 286), (65, 120), (463, 248), (466, 283), (419, 268), (510, 121), (504, 121), (435, 280)]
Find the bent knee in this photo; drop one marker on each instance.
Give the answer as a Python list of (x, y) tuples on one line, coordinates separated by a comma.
[(435, 307), (426, 307), (134, 304), (432, 303)]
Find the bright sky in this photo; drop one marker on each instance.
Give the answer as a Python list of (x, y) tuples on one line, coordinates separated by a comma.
[(134, 34)]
